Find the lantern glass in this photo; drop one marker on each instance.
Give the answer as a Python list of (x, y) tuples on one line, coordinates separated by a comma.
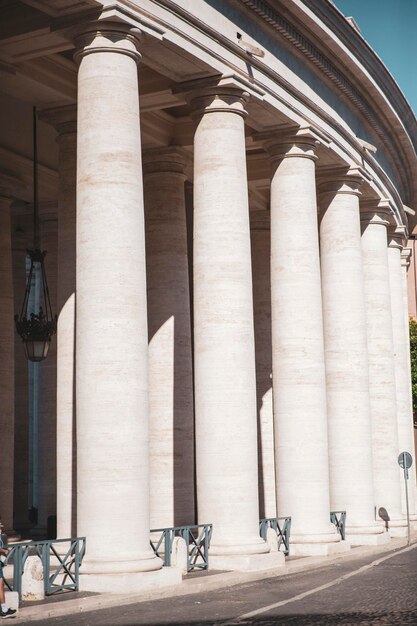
[(36, 350)]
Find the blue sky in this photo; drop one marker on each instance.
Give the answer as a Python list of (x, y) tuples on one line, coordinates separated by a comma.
[(390, 28)]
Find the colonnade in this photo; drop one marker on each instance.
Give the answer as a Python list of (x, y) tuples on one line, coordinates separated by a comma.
[(147, 375)]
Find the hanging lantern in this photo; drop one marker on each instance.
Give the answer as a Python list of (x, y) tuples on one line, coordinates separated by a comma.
[(36, 323), (36, 329)]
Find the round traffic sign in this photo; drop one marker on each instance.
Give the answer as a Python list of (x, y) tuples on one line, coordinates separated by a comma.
[(405, 460)]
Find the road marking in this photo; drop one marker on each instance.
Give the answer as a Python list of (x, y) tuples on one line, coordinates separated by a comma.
[(265, 609)]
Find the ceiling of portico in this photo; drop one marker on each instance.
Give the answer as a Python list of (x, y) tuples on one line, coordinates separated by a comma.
[(37, 69)]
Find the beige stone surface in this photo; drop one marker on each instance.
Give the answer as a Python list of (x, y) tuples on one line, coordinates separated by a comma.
[(65, 123), (225, 384), (171, 403), (7, 381), (382, 389), (33, 580), (404, 408), (346, 354), (261, 251), (406, 256), (45, 443), (21, 241), (299, 386), (196, 68), (111, 335)]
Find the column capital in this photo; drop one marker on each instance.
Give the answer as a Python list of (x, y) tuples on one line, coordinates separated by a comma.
[(63, 119), (396, 237), (406, 254), (173, 159), (215, 95), (378, 212), (107, 36), (289, 141), (342, 181)]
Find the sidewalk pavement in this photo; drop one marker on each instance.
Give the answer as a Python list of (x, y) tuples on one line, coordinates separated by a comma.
[(193, 584)]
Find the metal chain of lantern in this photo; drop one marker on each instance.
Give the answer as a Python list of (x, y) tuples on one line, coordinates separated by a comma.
[(36, 328)]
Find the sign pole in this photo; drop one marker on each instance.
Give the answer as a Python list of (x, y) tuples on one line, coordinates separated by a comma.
[(405, 460), (408, 510)]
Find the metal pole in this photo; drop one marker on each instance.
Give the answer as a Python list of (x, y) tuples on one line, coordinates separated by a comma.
[(35, 181), (406, 501)]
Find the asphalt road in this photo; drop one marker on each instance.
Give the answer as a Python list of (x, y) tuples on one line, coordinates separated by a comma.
[(372, 591)]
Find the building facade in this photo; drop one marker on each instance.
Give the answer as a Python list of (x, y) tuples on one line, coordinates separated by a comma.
[(225, 193)]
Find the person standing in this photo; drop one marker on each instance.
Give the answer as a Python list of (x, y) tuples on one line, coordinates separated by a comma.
[(5, 611)]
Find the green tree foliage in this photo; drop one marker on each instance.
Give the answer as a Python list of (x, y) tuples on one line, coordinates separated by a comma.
[(413, 353)]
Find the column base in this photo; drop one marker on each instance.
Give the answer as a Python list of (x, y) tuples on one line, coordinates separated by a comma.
[(398, 531), (319, 549), (131, 582), (397, 527), (368, 540), (12, 536), (247, 563), (367, 534)]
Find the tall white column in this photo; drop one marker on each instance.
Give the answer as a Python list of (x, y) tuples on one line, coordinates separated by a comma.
[(171, 404), (21, 240), (261, 272), (404, 407), (111, 333), (45, 443), (406, 255), (64, 120), (299, 385), (346, 354), (6, 358), (382, 391), (225, 384)]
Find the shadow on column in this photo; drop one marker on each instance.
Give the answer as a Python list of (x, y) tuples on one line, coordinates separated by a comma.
[(260, 244), (169, 310)]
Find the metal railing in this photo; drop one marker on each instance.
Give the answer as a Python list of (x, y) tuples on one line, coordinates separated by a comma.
[(62, 574), (338, 518), (282, 526), (197, 540)]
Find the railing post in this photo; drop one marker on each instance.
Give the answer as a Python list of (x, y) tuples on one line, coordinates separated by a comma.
[(76, 563), (46, 560), (18, 571), (167, 542)]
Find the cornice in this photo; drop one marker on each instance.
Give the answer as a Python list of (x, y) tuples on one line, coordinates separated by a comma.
[(271, 16), (330, 15)]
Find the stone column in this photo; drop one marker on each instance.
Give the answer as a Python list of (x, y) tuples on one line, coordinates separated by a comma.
[(225, 384), (6, 358), (404, 407), (406, 255), (382, 392), (22, 238), (64, 120), (346, 354), (171, 405), (299, 384), (111, 312), (47, 390), (261, 272), (407, 267)]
